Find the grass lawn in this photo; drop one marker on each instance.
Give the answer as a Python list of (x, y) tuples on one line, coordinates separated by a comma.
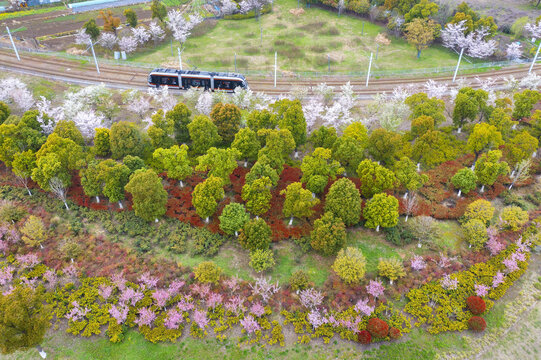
[(372, 246), (303, 43)]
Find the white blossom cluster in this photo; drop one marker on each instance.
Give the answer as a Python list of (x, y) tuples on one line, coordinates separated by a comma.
[(155, 31), (534, 30), (82, 38), (475, 44), (181, 26), (14, 91), (128, 44), (162, 97), (108, 40)]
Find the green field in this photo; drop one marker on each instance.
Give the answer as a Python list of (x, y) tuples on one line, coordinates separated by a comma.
[(303, 43)]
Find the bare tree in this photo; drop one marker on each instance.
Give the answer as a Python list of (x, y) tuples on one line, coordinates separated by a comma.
[(411, 204), (522, 171), (59, 189)]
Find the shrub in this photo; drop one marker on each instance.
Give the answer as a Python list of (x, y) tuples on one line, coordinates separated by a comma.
[(391, 268), (350, 265), (328, 235), (11, 213), (424, 229), (261, 260), (475, 233), (394, 333), (481, 210), (477, 323), (255, 235), (364, 337), (476, 305), (377, 328), (299, 280), (399, 235), (205, 242), (233, 218), (33, 231), (176, 243), (513, 217), (344, 201), (71, 249), (207, 272)]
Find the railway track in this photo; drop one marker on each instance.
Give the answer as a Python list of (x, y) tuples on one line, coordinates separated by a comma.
[(133, 77)]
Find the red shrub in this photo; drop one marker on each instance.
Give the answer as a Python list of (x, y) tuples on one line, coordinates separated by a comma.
[(364, 337), (477, 323), (377, 328), (394, 333), (476, 305)]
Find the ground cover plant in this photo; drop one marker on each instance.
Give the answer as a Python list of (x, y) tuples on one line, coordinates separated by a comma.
[(117, 237)]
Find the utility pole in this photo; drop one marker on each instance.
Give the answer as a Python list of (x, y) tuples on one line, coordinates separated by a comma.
[(94, 55), (458, 63), (275, 66), (13, 44), (179, 58), (369, 67), (531, 66)]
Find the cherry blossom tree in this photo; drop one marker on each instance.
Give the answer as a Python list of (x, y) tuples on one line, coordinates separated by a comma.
[(249, 5), (310, 298), (418, 263), (448, 283), (312, 112), (204, 103), (375, 288), (140, 34), (228, 7), (513, 51), (436, 90), (411, 204), (156, 32), (200, 318), (264, 288), (162, 97), (139, 104), (481, 290), (363, 307), (128, 44), (173, 319), (82, 38), (146, 317), (250, 325), (534, 30), (108, 40), (13, 90), (475, 44), (87, 122), (48, 115), (180, 26)]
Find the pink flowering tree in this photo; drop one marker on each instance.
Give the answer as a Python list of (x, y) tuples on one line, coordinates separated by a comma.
[(481, 290), (257, 309), (448, 283), (146, 317), (173, 319), (250, 325), (310, 298), (362, 307), (119, 313), (375, 288), (200, 318), (418, 263)]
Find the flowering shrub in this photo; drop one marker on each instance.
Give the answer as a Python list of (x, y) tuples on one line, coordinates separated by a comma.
[(377, 328), (476, 305), (477, 323)]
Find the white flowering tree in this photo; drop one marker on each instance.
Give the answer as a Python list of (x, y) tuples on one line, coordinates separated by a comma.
[(312, 113), (138, 103), (14, 91), (229, 7), (141, 34), (534, 30), (389, 111), (476, 44), (108, 40), (48, 115), (255, 5), (181, 26), (337, 115), (87, 122), (204, 103), (128, 44), (162, 97), (82, 38), (435, 90), (156, 32)]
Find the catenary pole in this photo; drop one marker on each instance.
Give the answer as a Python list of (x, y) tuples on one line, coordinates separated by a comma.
[(94, 55), (179, 58), (531, 66), (13, 44), (275, 66), (458, 64), (369, 67)]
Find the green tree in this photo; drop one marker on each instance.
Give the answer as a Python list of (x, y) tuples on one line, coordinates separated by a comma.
[(420, 125), (179, 117), (102, 142), (501, 119), (469, 103), (206, 195), (247, 144), (115, 176), (219, 163), (344, 201), (4, 112), (131, 17), (357, 131), (488, 168), (233, 218), (465, 180), (261, 260), (148, 194), (175, 162), (15, 138), (513, 218), (387, 146), (291, 117), (524, 102), (422, 10), (159, 11), (421, 33), (24, 319), (278, 145), (92, 180), (348, 152), (203, 133), (324, 137), (257, 195), (33, 231), (475, 233), (374, 178), (261, 119), (261, 169), (125, 139), (350, 265), (227, 118), (421, 105), (320, 164), (160, 130), (256, 234), (23, 165), (391, 268), (68, 130), (484, 137), (521, 147), (298, 202), (406, 173), (92, 29), (328, 235), (207, 272), (381, 210), (481, 210), (434, 148), (133, 163)]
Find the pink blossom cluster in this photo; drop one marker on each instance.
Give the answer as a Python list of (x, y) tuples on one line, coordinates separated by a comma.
[(173, 319), (214, 299), (77, 313), (234, 304), (418, 263), (363, 307), (201, 290), (249, 324), (130, 295), (28, 260), (185, 304), (310, 298), (105, 291), (510, 264), (71, 271), (146, 317), (175, 286), (6, 275), (119, 313), (264, 288), (200, 318), (119, 281), (316, 319), (147, 281), (232, 283), (498, 279), (257, 309), (494, 246), (351, 325), (161, 296), (29, 282), (375, 288), (448, 283), (481, 290), (51, 277)]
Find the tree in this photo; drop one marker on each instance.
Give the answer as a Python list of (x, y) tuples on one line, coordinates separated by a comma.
[(298, 202), (206, 195), (179, 117), (434, 148), (344, 201), (149, 196), (348, 152), (4, 112), (387, 146), (156, 32), (421, 33), (488, 168), (115, 176), (481, 210), (484, 137), (475, 233), (219, 163), (406, 173), (247, 144), (465, 180), (521, 147), (374, 178), (160, 130), (469, 104), (291, 117), (381, 210), (207, 272), (261, 260), (524, 102), (256, 234), (23, 165), (324, 137), (261, 169), (319, 164), (227, 118), (180, 25), (159, 10), (131, 17), (278, 145), (391, 268), (174, 161), (422, 10), (203, 133), (501, 119), (233, 218), (33, 232), (328, 235), (125, 139), (261, 119), (102, 142), (420, 125), (110, 22), (24, 319), (133, 163), (92, 29), (67, 129), (513, 218), (257, 195), (91, 180), (350, 265), (421, 105)]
